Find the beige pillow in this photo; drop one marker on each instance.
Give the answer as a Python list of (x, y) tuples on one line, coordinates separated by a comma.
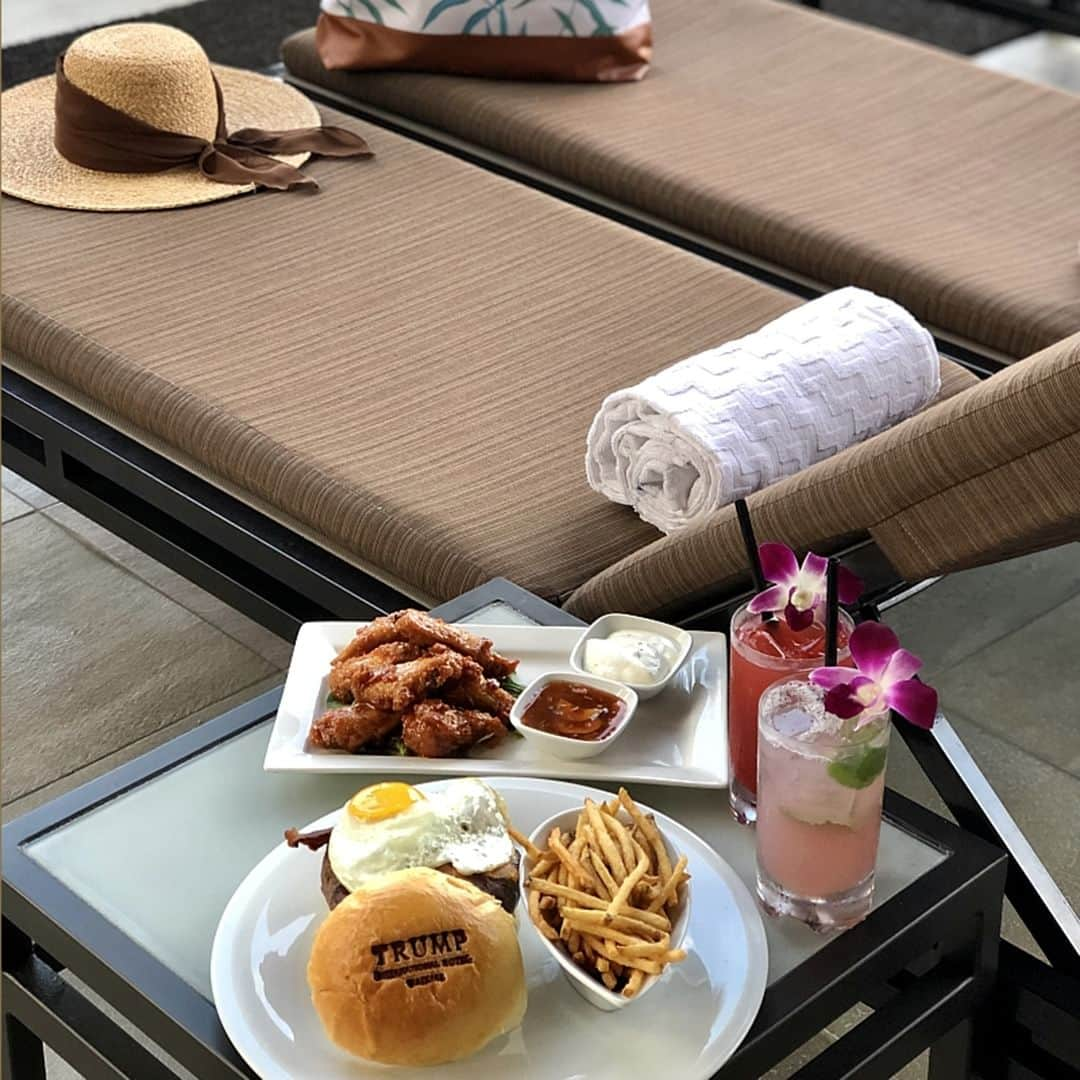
[(564, 40)]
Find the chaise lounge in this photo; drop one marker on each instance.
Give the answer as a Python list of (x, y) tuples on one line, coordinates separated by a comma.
[(402, 370)]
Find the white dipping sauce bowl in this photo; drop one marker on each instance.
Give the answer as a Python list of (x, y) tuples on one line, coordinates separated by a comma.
[(609, 624)]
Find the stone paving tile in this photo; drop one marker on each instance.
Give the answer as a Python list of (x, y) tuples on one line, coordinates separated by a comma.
[(26, 491), (966, 612), (41, 795), (1042, 800), (917, 1070), (95, 659), (793, 1062), (13, 506), (269, 646), (1020, 687)]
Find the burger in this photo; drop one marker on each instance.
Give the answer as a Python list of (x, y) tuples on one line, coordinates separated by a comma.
[(417, 967), (460, 831)]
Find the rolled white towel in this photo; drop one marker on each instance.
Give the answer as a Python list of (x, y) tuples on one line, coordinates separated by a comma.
[(725, 423)]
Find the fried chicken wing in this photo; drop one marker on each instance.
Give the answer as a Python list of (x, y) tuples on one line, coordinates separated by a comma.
[(353, 727), (347, 675), (424, 629), (378, 632), (435, 729), (403, 685), (474, 691)]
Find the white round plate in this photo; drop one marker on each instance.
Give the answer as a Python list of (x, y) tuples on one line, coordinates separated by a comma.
[(687, 1027)]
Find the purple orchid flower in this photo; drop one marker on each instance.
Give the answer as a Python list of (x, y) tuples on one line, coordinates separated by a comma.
[(883, 677), (799, 590)]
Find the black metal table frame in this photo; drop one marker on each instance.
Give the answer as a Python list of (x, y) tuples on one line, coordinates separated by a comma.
[(926, 960)]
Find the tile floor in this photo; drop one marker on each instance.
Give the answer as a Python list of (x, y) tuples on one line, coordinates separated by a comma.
[(154, 655)]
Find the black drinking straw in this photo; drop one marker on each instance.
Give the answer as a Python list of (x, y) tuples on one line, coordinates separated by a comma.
[(742, 512), (832, 614)]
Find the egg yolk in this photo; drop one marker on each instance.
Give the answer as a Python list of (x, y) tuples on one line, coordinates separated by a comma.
[(381, 801)]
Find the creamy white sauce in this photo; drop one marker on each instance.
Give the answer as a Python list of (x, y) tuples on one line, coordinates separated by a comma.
[(630, 656)]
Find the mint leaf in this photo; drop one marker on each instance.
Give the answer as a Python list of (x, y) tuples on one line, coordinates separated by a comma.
[(335, 703), (512, 686), (860, 769)]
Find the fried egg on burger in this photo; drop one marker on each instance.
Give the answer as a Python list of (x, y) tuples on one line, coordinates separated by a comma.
[(460, 830)]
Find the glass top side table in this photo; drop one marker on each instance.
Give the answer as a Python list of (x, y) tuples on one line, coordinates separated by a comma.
[(123, 882)]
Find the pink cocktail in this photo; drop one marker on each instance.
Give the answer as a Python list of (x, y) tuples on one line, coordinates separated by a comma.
[(761, 653), (820, 788)]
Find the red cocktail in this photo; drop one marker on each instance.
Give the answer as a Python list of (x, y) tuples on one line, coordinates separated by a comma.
[(762, 652)]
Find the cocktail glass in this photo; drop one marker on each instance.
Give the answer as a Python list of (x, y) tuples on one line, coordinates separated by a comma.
[(820, 786), (761, 653)]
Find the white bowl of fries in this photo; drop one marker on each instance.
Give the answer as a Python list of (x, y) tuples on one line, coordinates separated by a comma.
[(608, 897)]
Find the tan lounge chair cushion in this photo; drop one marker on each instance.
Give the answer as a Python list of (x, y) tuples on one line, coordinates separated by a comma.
[(992, 472), (835, 151), (407, 362)]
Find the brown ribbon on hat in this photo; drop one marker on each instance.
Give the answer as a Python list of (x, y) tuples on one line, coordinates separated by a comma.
[(96, 136)]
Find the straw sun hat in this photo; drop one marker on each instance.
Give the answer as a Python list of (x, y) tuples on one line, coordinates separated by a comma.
[(160, 77)]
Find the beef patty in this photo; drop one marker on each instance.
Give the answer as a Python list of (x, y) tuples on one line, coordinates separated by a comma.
[(500, 883)]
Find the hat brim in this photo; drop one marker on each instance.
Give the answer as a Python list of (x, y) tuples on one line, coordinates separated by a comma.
[(34, 170)]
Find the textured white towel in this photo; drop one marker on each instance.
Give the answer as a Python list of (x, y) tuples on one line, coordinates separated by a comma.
[(727, 422)]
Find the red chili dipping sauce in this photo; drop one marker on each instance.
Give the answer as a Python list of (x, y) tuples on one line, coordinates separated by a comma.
[(574, 711)]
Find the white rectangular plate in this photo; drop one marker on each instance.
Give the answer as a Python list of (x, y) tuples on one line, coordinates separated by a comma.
[(678, 737)]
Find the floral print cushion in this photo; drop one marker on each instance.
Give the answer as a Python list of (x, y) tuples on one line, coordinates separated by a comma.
[(567, 40)]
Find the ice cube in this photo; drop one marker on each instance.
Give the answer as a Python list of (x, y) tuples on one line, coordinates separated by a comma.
[(792, 722), (816, 799)]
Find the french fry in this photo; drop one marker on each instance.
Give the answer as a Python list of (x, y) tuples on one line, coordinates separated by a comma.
[(621, 836), (607, 846), (609, 933), (649, 967), (608, 980), (522, 841), (649, 830), (656, 923), (619, 900), (669, 892), (572, 864), (603, 964), (633, 984), (544, 865), (553, 888), (646, 950), (538, 919), (603, 872)]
